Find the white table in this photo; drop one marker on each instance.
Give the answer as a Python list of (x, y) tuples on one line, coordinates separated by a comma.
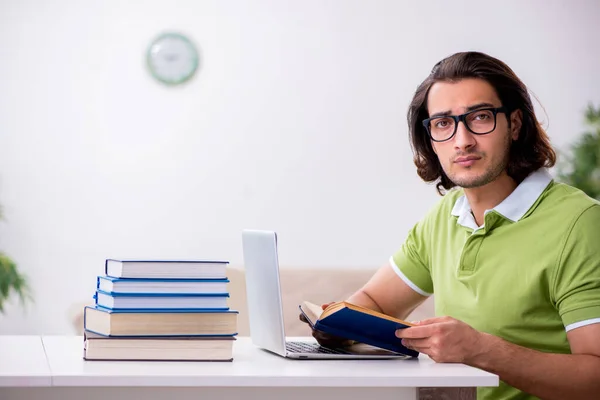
[(254, 374), (23, 362)]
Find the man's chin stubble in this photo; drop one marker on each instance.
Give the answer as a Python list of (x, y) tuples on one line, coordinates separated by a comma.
[(488, 177)]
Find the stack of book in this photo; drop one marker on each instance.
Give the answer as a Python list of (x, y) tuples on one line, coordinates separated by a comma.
[(161, 310)]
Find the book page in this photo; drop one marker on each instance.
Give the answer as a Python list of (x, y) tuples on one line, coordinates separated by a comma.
[(311, 311)]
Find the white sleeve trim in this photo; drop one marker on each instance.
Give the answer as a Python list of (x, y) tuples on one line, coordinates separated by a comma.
[(406, 280), (582, 323)]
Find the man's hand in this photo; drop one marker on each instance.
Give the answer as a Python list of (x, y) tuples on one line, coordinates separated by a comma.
[(444, 339), (325, 339)]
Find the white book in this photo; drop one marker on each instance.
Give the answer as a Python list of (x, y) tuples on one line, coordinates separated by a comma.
[(166, 269)]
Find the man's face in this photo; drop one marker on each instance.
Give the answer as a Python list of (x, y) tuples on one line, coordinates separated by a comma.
[(471, 160)]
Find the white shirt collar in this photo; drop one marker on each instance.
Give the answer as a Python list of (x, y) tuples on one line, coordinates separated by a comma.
[(514, 206)]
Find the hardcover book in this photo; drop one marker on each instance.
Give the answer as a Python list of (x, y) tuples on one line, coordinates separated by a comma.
[(166, 269), (122, 323), (360, 324), (156, 301), (97, 347)]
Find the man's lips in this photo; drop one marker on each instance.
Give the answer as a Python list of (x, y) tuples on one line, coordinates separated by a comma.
[(466, 161)]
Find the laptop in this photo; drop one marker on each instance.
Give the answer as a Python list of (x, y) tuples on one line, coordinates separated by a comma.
[(265, 309)]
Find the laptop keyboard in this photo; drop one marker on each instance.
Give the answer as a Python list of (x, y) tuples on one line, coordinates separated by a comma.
[(303, 347)]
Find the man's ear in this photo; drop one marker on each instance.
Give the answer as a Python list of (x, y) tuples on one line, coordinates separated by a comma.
[(516, 122)]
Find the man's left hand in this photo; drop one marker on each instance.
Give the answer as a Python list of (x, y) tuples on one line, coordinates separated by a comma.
[(444, 339)]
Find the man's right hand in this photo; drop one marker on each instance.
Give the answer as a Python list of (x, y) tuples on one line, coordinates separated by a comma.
[(325, 339)]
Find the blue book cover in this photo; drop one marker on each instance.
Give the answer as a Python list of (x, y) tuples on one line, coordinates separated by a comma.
[(160, 280), (155, 301), (138, 295), (117, 286), (360, 324), (162, 310)]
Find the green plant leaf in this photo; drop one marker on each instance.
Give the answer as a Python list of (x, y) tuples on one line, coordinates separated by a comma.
[(12, 281), (581, 165), (592, 115)]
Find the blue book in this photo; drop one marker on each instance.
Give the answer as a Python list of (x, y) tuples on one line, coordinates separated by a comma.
[(111, 285), (157, 301), (357, 323), (159, 323), (166, 269)]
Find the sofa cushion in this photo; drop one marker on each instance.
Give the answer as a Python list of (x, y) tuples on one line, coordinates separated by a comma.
[(317, 285)]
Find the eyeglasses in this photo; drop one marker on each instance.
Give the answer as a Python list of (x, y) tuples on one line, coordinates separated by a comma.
[(480, 122)]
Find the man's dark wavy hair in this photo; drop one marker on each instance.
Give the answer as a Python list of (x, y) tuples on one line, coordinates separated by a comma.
[(531, 151)]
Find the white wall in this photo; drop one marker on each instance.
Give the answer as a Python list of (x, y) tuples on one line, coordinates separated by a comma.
[(296, 122)]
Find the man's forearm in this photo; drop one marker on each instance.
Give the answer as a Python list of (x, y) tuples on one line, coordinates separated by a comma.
[(545, 375)]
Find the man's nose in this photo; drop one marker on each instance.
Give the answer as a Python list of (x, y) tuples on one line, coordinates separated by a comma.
[(464, 138)]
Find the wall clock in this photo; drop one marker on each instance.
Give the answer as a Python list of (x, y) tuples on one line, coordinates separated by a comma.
[(172, 58)]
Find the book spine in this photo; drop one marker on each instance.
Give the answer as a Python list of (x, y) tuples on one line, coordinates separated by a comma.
[(164, 310), (85, 317), (134, 294), (90, 335)]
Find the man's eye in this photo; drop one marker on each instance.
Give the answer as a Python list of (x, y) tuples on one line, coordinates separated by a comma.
[(482, 116), (442, 123)]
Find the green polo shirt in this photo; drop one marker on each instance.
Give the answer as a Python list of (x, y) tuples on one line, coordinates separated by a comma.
[(528, 275)]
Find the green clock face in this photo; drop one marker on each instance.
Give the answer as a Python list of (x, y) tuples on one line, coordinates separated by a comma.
[(172, 58)]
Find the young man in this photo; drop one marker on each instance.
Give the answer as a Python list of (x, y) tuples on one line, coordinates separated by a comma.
[(512, 256)]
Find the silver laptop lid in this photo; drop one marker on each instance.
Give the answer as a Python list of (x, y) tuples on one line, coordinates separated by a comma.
[(263, 291)]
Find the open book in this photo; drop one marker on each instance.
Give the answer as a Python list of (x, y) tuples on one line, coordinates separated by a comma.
[(358, 323)]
